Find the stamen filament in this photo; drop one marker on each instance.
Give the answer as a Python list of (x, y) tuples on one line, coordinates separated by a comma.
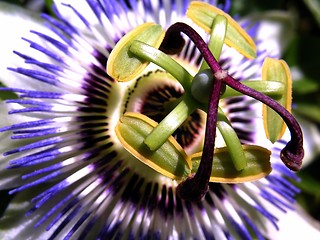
[(170, 123), (217, 36), (156, 56), (272, 89), (233, 143)]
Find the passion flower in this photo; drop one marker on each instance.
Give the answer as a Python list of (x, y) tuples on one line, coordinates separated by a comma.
[(69, 172)]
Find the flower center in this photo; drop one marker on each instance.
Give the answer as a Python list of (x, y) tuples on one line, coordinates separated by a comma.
[(155, 95), (203, 91)]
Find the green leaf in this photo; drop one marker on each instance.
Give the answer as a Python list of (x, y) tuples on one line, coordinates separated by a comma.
[(122, 64), (223, 171), (48, 4), (203, 14), (309, 184), (169, 160), (305, 86), (314, 6), (311, 111), (276, 70), (303, 52), (7, 94)]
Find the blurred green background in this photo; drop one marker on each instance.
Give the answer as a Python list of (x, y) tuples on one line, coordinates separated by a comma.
[(303, 53)]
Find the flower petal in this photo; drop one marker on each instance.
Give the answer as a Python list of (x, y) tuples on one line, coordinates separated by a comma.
[(68, 13), (294, 224), (276, 29), (22, 21), (9, 179)]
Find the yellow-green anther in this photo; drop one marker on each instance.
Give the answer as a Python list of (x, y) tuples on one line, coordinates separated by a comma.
[(170, 123), (124, 66), (233, 145), (270, 88), (276, 70), (203, 14), (151, 54), (169, 160), (217, 37), (223, 171)]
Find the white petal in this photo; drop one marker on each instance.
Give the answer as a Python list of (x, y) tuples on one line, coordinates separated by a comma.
[(275, 30), (10, 178), (16, 23), (82, 7), (295, 225)]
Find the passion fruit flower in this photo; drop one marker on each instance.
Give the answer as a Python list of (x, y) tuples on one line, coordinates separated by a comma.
[(70, 173)]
